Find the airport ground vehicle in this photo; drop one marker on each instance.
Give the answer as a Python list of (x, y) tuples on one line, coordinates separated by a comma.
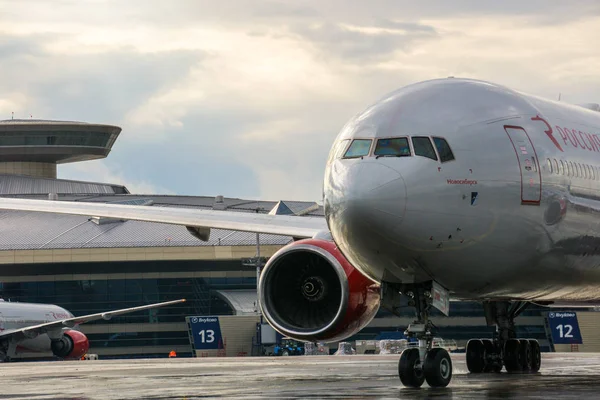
[(288, 347)]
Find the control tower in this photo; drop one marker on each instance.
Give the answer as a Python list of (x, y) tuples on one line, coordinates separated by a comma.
[(34, 147)]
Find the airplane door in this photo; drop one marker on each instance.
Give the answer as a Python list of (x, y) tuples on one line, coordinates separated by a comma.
[(531, 181)]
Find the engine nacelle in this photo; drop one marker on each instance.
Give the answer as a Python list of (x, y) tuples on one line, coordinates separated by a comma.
[(72, 345), (309, 291)]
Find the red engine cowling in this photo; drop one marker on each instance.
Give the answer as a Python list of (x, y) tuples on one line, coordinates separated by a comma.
[(72, 345), (309, 291)]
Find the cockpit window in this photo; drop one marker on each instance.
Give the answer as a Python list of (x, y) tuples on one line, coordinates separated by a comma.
[(358, 148), (397, 147), (337, 150), (341, 147), (443, 149), (423, 147)]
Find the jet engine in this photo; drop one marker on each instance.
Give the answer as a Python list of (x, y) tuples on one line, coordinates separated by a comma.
[(309, 291), (72, 345)]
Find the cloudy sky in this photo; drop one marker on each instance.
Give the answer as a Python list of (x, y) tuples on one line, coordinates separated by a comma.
[(243, 98)]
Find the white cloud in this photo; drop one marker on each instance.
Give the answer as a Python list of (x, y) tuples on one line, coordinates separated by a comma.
[(98, 171), (261, 88)]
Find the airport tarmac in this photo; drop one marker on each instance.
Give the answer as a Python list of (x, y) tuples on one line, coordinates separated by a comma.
[(563, 375)]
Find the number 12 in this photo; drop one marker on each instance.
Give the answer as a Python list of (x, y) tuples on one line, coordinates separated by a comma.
[(568, 329)]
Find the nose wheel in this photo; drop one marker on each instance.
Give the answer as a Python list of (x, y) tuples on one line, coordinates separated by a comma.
[(423, 362), (436, 370), (410, 368)]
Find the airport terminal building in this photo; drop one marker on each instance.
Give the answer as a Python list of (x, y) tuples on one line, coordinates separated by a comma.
[(91, 264)]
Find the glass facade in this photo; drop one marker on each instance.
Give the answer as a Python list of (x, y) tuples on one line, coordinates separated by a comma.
[(51, 138), (88, 296), (84, 297), (476, 329)]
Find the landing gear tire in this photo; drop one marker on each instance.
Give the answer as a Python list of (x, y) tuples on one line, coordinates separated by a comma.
[(526, 356), (438, 367), (410, 369), (475, 354), (536, 355), (491, 360), (512, 356)]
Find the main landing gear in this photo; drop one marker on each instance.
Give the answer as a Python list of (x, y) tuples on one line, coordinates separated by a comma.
[(5, 351), (434, 365), (504, 350), (424, 363)]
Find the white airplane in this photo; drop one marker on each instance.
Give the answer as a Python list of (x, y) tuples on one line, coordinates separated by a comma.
[(449, 187), (40, 328)]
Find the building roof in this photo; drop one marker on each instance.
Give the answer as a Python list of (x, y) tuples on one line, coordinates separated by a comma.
[(19, 184), (31, 121)]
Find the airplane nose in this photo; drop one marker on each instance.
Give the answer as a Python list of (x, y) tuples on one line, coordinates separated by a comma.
[(370, 197)]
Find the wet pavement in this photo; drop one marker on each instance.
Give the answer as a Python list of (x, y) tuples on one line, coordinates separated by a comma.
[(563, 375)]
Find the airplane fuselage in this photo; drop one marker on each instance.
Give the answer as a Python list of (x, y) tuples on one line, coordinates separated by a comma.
[(21, 315), (514, 214)]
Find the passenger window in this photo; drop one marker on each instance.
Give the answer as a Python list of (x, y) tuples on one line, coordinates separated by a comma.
[(592, 172), (571, 168), (534, 164), (358, 148), (578, 168), (443, 149), (549, 165), (561, 168), (392, 147), (423, 147), (555, 165)]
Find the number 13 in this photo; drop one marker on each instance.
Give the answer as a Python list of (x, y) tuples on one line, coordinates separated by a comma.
[(210, 336)]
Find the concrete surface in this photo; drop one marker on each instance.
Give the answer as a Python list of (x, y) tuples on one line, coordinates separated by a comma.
[(563, 375)]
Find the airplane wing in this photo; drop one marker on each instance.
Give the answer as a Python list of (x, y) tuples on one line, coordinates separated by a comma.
[(198, 219), (35, 330)]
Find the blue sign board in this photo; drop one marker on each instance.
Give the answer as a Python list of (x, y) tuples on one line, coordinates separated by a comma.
[(206, 332), (564, 328)]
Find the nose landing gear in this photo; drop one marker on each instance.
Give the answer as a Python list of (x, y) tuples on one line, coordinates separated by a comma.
[(423, 363)]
